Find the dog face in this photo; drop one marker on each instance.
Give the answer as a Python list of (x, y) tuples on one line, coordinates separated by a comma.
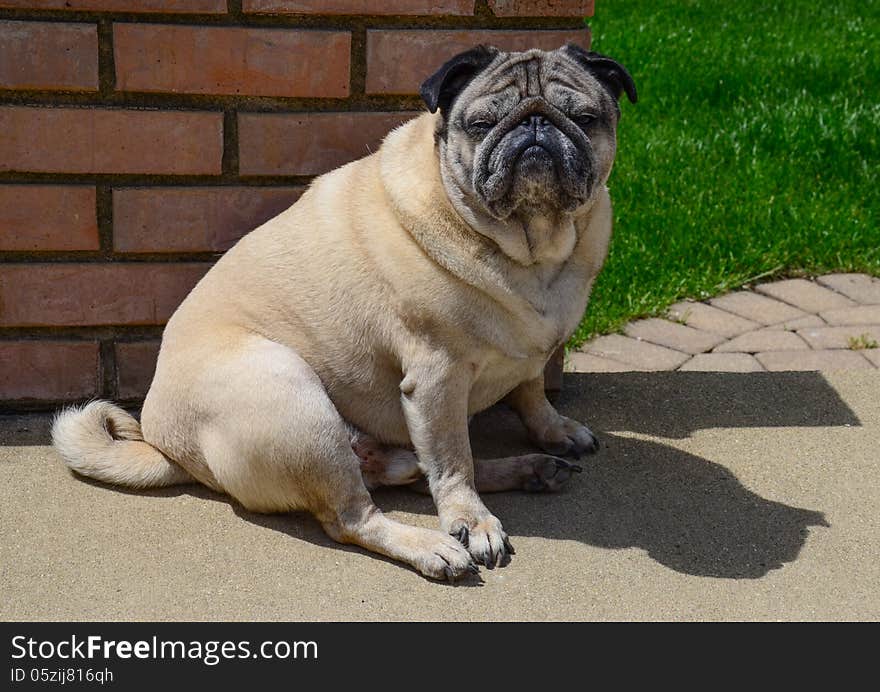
[(530, 132)]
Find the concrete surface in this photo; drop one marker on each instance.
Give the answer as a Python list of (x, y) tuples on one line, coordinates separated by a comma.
[(716, 496)]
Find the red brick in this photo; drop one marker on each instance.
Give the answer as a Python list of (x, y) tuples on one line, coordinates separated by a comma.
[(231, 60), (135, 366), (365, 7), (200, 219), (48, 55), (93, 294), (48, 370), (309, 143), (47, 217), (399, 61), (541, 8), (103, 140), (176, 6)]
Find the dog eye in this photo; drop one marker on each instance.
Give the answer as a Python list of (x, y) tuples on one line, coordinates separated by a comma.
[(584, 120), (479, 126)]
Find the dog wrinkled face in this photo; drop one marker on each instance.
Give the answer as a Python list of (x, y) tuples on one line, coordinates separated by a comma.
[(530, 132)]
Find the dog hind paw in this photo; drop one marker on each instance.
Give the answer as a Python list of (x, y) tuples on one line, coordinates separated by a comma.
[(549, 473)]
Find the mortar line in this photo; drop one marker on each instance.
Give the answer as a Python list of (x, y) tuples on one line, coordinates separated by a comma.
[(107, 369), (230, 163), (106, 59)]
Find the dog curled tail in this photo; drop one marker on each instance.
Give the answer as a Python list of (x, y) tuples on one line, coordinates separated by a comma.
[(102, 441)]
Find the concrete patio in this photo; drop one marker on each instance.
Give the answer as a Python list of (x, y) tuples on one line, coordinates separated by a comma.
[(715, 496)]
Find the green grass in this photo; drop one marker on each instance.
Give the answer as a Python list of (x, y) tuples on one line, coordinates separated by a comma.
[(753, 150)]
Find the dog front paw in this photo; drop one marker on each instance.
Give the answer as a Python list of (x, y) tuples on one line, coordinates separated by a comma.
[(484, 538), (566, 437)]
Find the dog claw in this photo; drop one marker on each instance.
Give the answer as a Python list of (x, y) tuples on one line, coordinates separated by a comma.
[(563, 464), (508, 546), (492, 558), (463, 536), (473, 569)]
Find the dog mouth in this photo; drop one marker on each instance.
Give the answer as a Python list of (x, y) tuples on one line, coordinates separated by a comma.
[(535, 148), (536, 169), (535, 153)]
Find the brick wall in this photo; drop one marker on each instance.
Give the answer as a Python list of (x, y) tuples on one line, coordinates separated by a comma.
[(139, 139)]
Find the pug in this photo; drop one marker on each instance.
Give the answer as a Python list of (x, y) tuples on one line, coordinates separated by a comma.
[(345, 343)]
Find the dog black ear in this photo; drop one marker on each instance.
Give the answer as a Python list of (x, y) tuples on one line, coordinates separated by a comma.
[(440, 89), (613, 76)]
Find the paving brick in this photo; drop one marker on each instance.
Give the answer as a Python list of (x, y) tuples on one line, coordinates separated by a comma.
[(192, 219), (827, 360), (309, 143), (176, 6), (109, 140), (838, 337), (861, 288), (763, 340), (35, 218), (801, 323), (722, 362), (427, 50), (806, 295), (367, 7), (135, 367), (577, 361), (861, 314), (542, 8), (48, 55), (231, 60), (873, 355), (709, 319), (642, 354), (48, 370), (672, 335), (757, 308), (56, 295)]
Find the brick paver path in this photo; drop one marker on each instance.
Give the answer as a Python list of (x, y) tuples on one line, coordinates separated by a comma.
[(832, 323)]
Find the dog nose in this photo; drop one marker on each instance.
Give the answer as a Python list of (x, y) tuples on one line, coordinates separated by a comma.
[(534, 122)]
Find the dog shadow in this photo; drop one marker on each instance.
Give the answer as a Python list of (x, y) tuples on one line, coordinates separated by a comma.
[(688, 513)]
